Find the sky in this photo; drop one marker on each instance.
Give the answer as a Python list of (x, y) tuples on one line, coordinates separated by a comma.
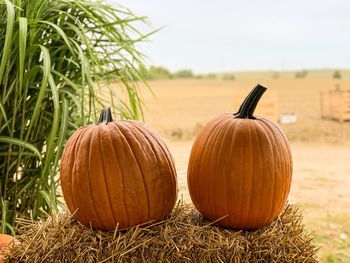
[(231, 35)]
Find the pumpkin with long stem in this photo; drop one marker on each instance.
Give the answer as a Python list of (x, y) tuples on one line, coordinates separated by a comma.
[(240, 168), (117, 173)]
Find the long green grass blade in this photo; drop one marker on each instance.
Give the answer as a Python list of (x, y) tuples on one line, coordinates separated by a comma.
[(60, 32), (21, 143), (4, 208), (3, 112), (62, 133), (22, 47), (26, 186), (7, 226), (51, 203), (44, 82), (51, 145), (8, 37)]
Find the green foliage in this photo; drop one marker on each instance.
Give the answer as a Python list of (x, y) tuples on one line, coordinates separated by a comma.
[(337, 74), (301, 74), (157, 73), (210, 76), (55, 57), (183, 74), (229, 77)]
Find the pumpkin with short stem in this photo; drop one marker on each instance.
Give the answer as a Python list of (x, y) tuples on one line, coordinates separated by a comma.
[(240, 168), (117, 173)]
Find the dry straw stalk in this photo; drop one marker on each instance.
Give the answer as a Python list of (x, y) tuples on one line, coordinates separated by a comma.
[(183, 237)]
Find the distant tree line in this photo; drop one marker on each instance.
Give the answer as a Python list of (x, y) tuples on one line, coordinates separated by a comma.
[(301, 74), (337, 74), (155, 72), (159, 72)]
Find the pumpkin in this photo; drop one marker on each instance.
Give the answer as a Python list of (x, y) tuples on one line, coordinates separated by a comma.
[(240, 168), (6, 241), (117, 173)]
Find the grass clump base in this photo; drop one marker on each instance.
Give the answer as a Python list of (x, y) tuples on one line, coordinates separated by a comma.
[(183, 237)]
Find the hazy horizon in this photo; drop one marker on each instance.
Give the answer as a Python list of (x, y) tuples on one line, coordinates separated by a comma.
[(224, 35), (293, 70)]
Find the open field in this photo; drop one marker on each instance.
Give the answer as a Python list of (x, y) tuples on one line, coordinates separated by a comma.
[(321, 148), (181, 107)]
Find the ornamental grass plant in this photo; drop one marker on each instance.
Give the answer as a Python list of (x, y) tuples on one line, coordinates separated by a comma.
[(54, 55)]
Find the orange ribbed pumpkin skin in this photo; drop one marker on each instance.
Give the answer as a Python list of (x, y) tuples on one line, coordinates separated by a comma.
[(119, 173), (241, 168), (6, 242)]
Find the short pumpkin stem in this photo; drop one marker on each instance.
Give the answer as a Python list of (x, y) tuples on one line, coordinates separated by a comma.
[(247, 108), (105, 116)]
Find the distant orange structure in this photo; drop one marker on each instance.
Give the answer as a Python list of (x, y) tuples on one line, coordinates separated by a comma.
[(335, 104)]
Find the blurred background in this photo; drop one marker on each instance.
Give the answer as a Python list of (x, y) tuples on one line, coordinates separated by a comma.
[(209, 54), (176, 68)]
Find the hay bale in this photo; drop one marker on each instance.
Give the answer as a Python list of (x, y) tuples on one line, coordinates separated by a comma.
[(183, 237)]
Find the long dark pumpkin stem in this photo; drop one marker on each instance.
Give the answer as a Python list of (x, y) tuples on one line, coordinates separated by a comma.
[(105, 116), (247, 108)]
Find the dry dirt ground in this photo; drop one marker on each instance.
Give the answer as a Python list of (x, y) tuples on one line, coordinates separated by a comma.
[(321, 148)]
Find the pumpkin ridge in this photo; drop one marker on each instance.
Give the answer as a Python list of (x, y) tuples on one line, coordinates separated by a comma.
[(228, 208), (232, 130), (283, 138), (198, 164), (74, 177), (209, 159), (165, 150), (101, 131), (241, 193), (258, 184), (269, 136), (258, 164), (100, 190), (251, 176), (170, 162), (138, 164), (64, 179), (95, 132), (122, 175), (195, 148), (143, 177), (90, 187), (155, 140), (262, 191), (197, 180), (223, 132), (283, 144), (165, 157), (279, 131)]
